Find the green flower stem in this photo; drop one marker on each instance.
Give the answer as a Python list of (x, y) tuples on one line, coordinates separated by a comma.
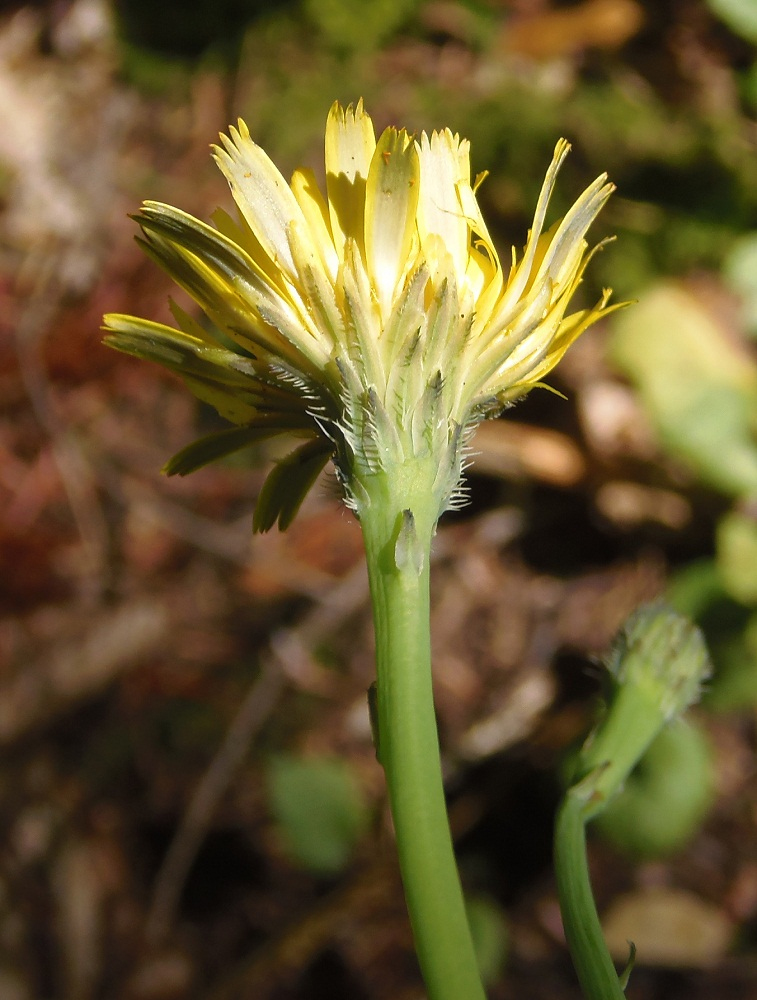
[(398, 521), (583, 931), (657, 666), (631, 723), (617, 744)]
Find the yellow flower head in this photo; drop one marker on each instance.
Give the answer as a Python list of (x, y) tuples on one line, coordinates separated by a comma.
[(375, 320)]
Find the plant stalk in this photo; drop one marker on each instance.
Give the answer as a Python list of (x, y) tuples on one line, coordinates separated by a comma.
[(398, 526), (583, 931), (657, 664)]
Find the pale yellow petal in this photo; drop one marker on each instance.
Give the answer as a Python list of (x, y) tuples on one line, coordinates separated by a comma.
[(463, 161), (560, 257), (439, 209), (316, 211), (478, 273), (540, 252), (350, 144), (519, 278), (238, 230), (484, 268), (263, 196), (390, 208), (493, 348), (549, 344), (490, 293)]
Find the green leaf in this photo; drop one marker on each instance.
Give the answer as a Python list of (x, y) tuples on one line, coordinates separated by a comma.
[(218, 445), (319, 809), (288, 484)]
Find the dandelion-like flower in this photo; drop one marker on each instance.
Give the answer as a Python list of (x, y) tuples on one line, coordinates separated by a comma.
[(375, 322)]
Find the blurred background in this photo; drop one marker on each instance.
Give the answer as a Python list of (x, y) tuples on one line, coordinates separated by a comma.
[(190, 805)]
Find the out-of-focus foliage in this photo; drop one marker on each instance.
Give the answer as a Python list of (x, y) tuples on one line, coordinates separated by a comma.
[(319, 809), (358, 27), (666, 797), (730, 626), (698, 386), (740, 271), (491, 937), (736, 541), (739, 15)]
